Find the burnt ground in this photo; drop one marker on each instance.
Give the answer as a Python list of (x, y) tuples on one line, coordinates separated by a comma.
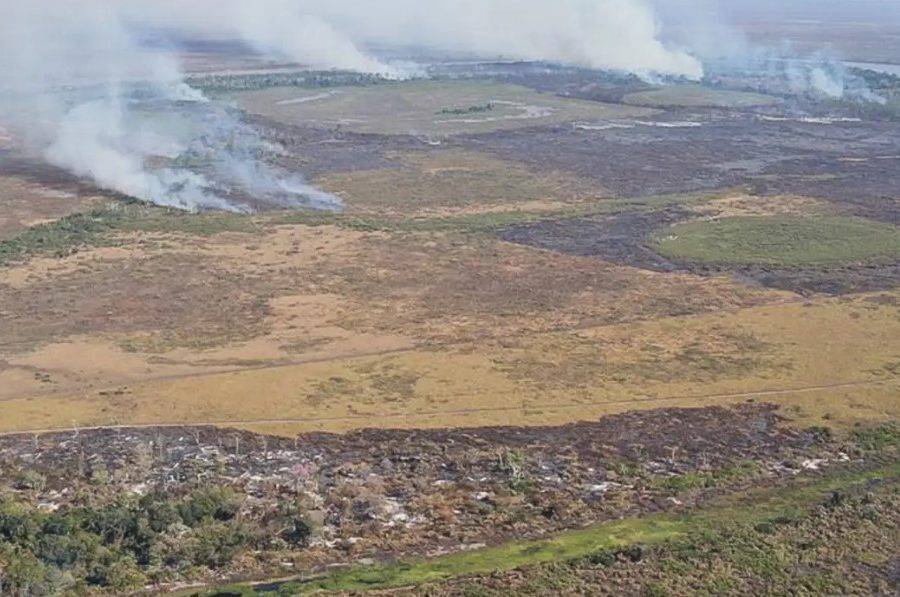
[(377, 493), (856, 165), (853, 164), (770, 150), (622, 238), (34, 170), (317, 151)]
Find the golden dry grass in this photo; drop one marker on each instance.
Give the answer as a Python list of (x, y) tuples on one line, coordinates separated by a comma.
[(802, 364), (283, 327)]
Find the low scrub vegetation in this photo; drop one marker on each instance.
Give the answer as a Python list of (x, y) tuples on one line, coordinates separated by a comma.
[(130, 542), (98, 228)]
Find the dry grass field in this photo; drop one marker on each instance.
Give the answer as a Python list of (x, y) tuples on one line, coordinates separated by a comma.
[(285, 327), (409, 309), (784, 353), (448, 182)]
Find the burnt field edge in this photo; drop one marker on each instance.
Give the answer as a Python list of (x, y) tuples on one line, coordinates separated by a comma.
[(756, 506)]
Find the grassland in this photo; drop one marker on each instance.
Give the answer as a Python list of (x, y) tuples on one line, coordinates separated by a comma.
[(292, 321), (389, 200), (780, 241), (791, 356), (436, 108), (27, 204), (696, 96), (453, 182)]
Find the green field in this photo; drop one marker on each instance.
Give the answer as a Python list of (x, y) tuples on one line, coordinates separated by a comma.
[(780, 241), (98, 227)]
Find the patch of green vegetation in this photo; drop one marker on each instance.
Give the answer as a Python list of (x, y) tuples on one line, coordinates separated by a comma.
[(168, 220), (58, 238), (221, 84), (118, 546), (830, 550), (879, 437), (700, 480), (99, 227), (477, 109), (162, 342), (748, 509), (779, 241), (482, 222), (572, 545)]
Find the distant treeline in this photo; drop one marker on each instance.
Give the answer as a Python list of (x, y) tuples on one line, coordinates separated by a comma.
[(311, 79)]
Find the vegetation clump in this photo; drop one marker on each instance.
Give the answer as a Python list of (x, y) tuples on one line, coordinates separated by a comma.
[(476, 109), (120, 546), (788, 241), (99, 227)]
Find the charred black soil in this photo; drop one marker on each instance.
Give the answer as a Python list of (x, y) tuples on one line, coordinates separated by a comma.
[(854, 164)]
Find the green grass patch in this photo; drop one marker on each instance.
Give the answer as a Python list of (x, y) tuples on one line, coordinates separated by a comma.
[(701, 480), (482, 222), (753, 507), (779, 241), (99, 226), (878, 437)]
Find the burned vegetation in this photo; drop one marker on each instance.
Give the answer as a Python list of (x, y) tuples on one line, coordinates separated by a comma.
[(120, 509)]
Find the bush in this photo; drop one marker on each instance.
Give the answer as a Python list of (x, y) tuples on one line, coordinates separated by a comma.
[(879, 437), (298, 532), (216, 545), (123, 576), (116, 546), (214, 503)]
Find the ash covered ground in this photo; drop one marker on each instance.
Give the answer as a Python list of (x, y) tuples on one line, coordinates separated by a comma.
[(383, 494)]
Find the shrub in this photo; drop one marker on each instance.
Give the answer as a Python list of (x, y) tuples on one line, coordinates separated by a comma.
[(213, 503)]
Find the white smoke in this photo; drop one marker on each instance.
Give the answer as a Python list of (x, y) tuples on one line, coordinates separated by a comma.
[(614, 34), (714, 30), (84, 95), (280, 26), (609, 34)]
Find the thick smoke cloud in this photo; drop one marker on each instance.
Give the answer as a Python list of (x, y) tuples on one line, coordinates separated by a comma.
[(614, 34), (713, 30), (82, 93)]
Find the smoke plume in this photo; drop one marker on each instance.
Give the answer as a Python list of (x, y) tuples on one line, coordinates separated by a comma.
[(612, 34), (82, 93)]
